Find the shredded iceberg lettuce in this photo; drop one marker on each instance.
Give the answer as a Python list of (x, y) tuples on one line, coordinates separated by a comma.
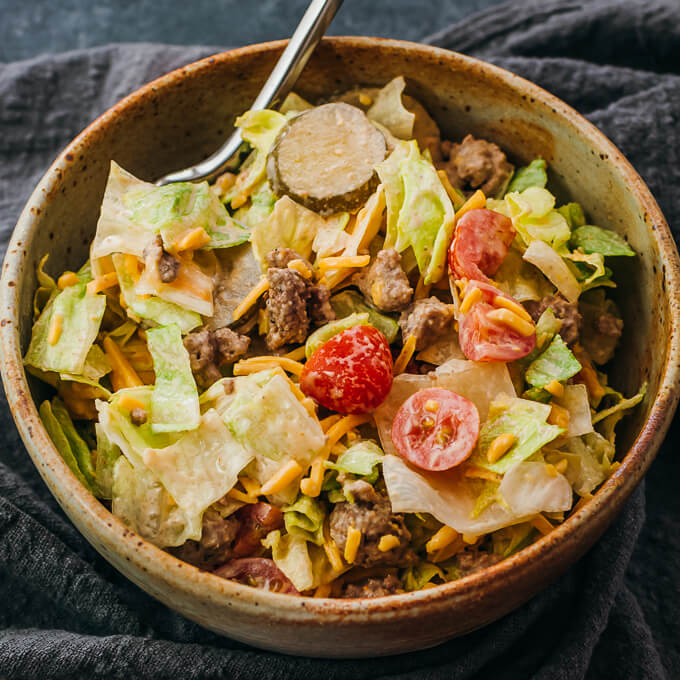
[(555, 269), (532, 175), (141, 502), (78, 315), (305, 519), (290, 225), (527, 489), (261, 204), (152, 307), (260, 129), (573, 213), (202, 466), (556, 362), (68, 442), (107, 455), (575, 401), (591, 239), (174, 405), (360, 459), (420, 574), (533, 214), (349, 302), (304, 563), (331, 238), (388, 109), (526, 421)]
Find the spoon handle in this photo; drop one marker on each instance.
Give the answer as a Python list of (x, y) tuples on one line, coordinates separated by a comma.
[(307, 35)]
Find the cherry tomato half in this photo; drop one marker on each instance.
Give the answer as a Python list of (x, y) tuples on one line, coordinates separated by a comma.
[(351, 373), (480, 244), (256, 521), (436, 429), (484, 339)]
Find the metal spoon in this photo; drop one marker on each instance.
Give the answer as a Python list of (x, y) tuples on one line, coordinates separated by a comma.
[(307, 35)]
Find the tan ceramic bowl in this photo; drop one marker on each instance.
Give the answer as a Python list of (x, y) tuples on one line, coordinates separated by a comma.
[(177, 120)]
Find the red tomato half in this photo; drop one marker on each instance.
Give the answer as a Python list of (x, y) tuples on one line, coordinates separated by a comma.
[(483, 339), (257, 520), (480, 244), (435, 429), (351, 373)]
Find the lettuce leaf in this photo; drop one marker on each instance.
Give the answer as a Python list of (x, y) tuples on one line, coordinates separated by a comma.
[(107, 455), (174, 405), (524, 419), (527, 489), (389, 172), (304, 563), (556, 362), (294, 103), (532, 175), (64, 439), (349, 302), (426, 217), (81, 315), (152, 308), (261, 204), (575, 400), (331, 238), (290, 225), (420, 574), (573, 213), (202, 466), (521, 280), (511, 540), (141, 502), (360, 459), (260, 129), (132, 439), (591, 239), (622, 405), (305, 519), (388, 109), (532, 212), (555, 269)]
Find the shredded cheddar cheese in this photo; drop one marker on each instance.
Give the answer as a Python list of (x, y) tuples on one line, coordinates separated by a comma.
[(477, 200), (297, 354), (193, 239), (330, 547), (102, 283), (129, 403), (561, 466), (441, 539), (500, 446), (250, 485), (500, 301), (329, 421), (352, 543), (56, 325), (586, 498), (263, 363), (282, 478), (301, 268), (122, 374), (237, 495), (343, 261), (422, 289), (365, 100), (470, 539), (555, 387), (405, 355), (323, 590), (541, 523), (471, 299), (311, 486), (341, 428), (67, 279), (450, 191), (559, 416), (239, 201), (250, 299), (388, 542), (510, 319), (475, 472)]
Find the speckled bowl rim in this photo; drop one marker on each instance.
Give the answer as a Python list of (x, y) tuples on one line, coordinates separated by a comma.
[(183, 577)]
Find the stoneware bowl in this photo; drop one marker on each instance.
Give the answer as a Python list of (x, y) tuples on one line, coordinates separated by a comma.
[(181, 117)]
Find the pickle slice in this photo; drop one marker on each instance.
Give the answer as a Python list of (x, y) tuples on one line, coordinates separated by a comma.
[(325, 159)]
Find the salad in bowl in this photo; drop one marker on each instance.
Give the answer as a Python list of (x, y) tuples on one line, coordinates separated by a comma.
[(364, 361)]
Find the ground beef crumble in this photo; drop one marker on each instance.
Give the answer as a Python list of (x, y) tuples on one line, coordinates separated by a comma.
[(167, 264), (384, 282), (372, 587), (208, 350), (567, 313), (475, 164), (427, 319)]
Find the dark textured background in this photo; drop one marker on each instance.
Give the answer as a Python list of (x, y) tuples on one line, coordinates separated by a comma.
[(65, 613)]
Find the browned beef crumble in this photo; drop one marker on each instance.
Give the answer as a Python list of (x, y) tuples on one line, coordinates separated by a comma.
[(566, 312), (372, 587), (167, 264), (215, 546), (208, 350), (293, 302), (371, 513), (475, 164), (427, 319), (470, 561), (384, 283), (138, 416)]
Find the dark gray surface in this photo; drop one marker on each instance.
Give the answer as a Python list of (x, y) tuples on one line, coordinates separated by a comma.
[(65, 613), (29, 28)]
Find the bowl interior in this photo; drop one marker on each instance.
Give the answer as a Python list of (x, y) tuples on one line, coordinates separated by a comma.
[(181, 118)]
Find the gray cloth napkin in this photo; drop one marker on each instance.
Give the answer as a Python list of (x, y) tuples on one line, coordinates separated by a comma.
[(65, 613)]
